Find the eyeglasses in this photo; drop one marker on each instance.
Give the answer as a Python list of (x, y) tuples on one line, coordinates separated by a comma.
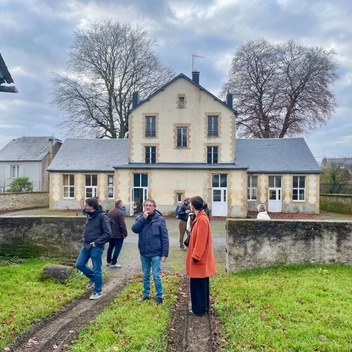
[(148, 205)]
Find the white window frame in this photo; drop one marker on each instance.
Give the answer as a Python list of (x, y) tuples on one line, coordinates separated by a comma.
[(211, 155), (252, 189), (150, 126), (91, 186), (15, 171), (150, 154), (179, 197), (299, 189), (213, 126), (69, 187), (181, 132), (111, 187)]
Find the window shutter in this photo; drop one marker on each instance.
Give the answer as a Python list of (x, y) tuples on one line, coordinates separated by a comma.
[(21, 171), (8, 171)]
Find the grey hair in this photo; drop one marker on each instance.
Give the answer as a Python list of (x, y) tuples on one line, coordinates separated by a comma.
[(261, 208)]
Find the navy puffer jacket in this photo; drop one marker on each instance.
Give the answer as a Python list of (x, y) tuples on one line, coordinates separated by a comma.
[(153, 239)]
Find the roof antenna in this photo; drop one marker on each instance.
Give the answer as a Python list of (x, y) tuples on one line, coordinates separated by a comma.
[(193, 56)]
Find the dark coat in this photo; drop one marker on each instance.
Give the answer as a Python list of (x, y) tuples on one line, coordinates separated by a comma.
[(97, 228), (182, 215), (118, 226), (153, 239)]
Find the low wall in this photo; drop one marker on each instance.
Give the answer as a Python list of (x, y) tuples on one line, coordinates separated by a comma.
[(28, 200), (58, 237), (259, 244)]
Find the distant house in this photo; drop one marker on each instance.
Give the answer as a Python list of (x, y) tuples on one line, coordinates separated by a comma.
[(28, 157), (182, 142), (328, 163)]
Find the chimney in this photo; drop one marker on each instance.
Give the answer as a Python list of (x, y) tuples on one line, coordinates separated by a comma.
[(135, 99), (51, 143), (229, 100), (195, 76)]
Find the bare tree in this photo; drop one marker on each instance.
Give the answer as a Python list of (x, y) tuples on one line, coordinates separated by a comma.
[(281, 89), (107, 63)]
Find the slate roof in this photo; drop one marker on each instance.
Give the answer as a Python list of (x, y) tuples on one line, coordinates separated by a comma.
[(181, 75), (91, 155), (26, 149), (189, 166), (276, 155)]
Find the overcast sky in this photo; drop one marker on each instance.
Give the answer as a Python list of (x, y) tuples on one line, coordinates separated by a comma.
[(36, 36)]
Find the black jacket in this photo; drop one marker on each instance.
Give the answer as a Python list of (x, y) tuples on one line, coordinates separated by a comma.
[(182, 215), (97, 228)]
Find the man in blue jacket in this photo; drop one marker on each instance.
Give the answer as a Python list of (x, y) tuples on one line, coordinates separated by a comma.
[(153, 245), (96, 234)]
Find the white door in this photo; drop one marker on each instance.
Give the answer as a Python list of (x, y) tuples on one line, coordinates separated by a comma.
[(274, 194), (274, 201), (219, 195), (138, 195), (219, 204)]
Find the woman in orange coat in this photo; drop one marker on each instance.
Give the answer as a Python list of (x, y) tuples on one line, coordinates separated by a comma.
[(200, 261)]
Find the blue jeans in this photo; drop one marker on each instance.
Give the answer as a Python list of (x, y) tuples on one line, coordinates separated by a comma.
[(95, 274), (115, 244), (154, 263)]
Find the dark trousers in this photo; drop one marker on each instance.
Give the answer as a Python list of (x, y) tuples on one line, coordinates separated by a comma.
[(115, 245), (200, 295)]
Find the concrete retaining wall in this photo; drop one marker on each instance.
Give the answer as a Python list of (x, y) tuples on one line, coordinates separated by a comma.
[(17, 201), (58, 237), (253, 243)]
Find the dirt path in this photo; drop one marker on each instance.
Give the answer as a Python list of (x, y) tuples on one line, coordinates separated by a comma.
[(57, 332)]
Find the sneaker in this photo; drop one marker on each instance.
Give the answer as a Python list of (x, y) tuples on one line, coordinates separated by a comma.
[(144, 298), (114, 266), (158, 301), (95, 295), (183, 249), (108, 264), (90, 284)]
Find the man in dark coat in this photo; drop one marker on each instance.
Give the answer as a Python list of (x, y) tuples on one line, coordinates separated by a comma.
[(96, 234), (118, 234), (153, 244)]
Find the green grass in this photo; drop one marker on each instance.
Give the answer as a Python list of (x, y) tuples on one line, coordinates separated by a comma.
[(25, 299), (129, 325), (336, 207), (297, 308)]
